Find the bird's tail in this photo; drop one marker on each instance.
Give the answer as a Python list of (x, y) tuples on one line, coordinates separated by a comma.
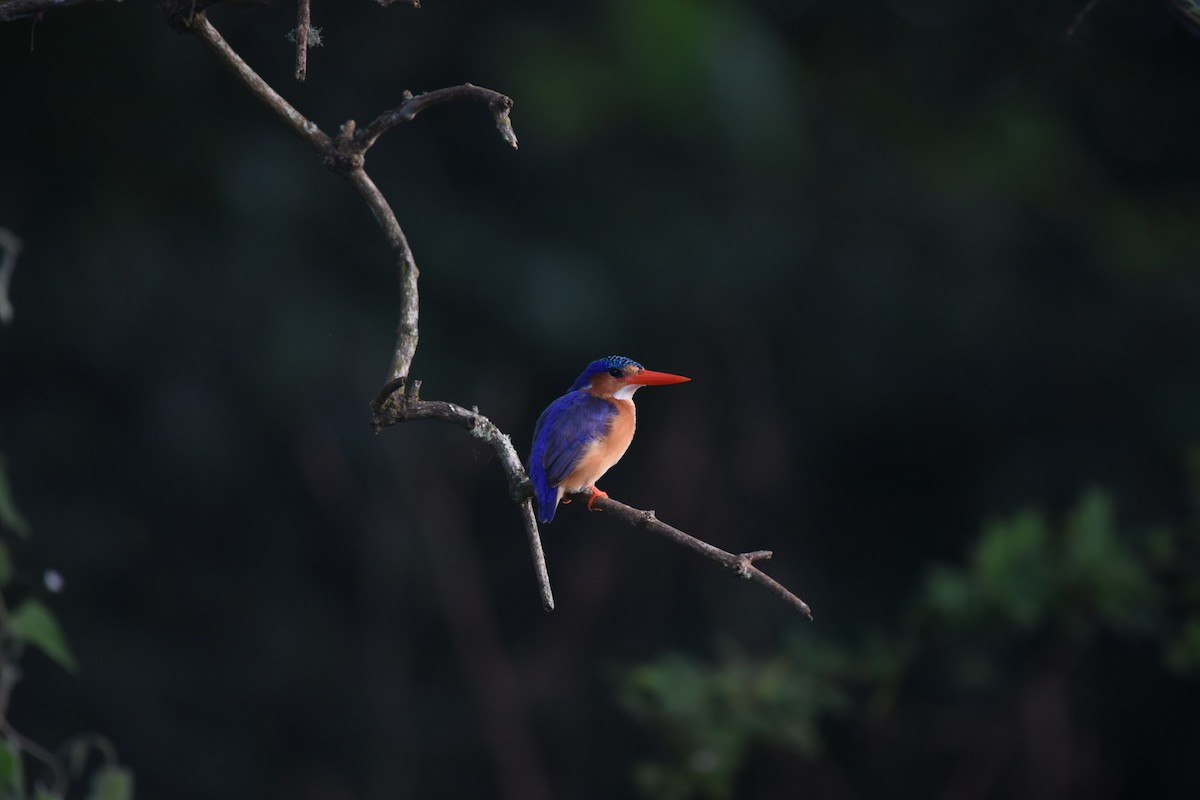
[(547, 500)]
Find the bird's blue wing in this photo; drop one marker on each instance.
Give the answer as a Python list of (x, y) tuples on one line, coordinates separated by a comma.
[(561, 436), (572, 423)]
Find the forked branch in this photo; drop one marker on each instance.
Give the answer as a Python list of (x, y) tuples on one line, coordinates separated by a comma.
[(307, 129), (400, 400), (346, 154)]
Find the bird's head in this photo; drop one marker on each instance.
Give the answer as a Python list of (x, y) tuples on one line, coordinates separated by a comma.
[(620, 377)]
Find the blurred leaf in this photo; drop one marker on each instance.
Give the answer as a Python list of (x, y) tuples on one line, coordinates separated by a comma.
[(711, 715), (882, 658), (1027, 574), (112, 783), (5, 564), (1015, 568), (974, 669), (10, 517), (1102, 570), (12, 772), (1182, 654), (78, 749), (949, 593), (32, 622), (1160, 545), (42, 793), (660, 781), (665, 44)]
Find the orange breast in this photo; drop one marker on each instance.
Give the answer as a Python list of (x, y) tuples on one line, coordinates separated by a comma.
[(602, 453)]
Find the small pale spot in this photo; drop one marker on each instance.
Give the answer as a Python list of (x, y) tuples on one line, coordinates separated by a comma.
[(53, 580), (704, 760)]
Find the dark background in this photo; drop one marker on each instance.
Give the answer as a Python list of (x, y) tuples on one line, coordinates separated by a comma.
[(928, 263)]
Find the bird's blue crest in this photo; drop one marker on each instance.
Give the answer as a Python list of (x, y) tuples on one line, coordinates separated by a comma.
[(601, 365)]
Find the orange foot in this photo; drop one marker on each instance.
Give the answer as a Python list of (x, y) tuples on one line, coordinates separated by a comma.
[(596, 493)]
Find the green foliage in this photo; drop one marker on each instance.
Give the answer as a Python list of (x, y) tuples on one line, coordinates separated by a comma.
[(1011, 576), (31, 622), (112, 783), (34, 623), (10, 517), (1026, 583), (1182, 651), (12, 772), (1023, 575), (1104, 574), (712, 715)]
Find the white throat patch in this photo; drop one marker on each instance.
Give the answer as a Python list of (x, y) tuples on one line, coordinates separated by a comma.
[(626, 391)]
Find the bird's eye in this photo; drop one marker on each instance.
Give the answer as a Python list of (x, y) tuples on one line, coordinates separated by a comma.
[(616, 373)]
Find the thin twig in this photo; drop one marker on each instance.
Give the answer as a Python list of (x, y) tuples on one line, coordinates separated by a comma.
[(8, 262), (303, 24), (741, 563), (499, 104), (10, 674), (11, 10), (34, 749), (485, 660), (179, 13), (306, 128)]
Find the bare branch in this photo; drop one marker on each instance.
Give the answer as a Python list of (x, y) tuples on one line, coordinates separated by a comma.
[(741, 563), (305, 127), (180, 13), (11, 246), (499, 104), (303, 24), (398, 402), (11, 10), (407, 332), (346, 155)]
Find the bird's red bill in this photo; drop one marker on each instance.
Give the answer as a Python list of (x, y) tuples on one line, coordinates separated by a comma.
[(649, 377)]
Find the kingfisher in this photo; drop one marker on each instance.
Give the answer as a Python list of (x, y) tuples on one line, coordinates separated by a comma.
[(582, 434)]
